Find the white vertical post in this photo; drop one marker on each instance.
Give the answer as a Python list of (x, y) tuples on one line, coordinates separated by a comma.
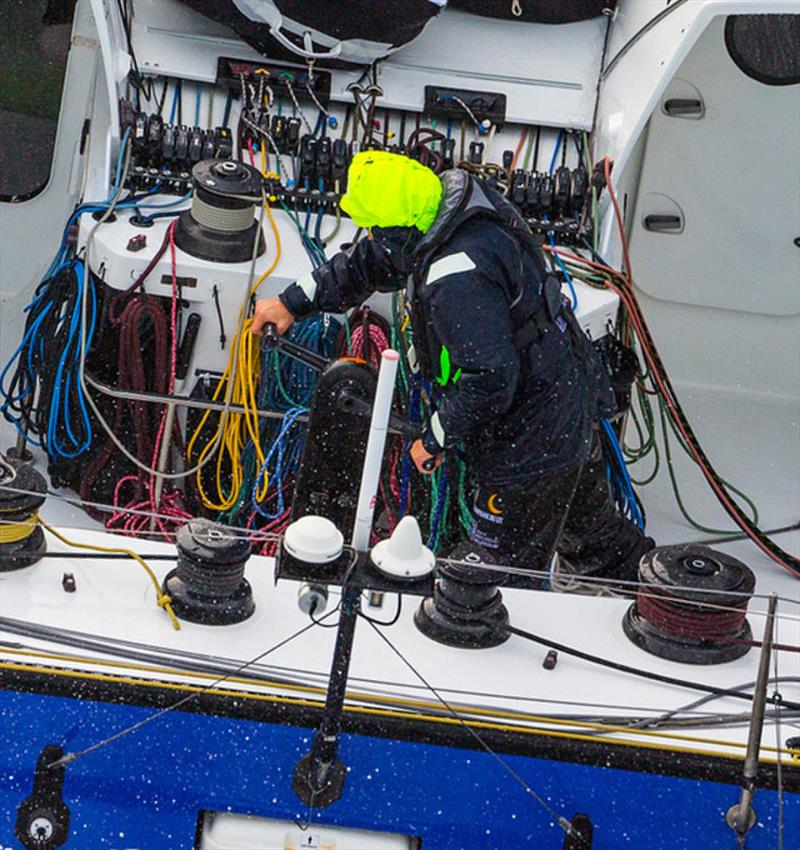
[(379, 424)]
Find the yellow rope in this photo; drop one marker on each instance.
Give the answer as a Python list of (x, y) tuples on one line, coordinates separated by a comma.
[(164, 601), (243, 368), (380, 712), (401, 703), (13, 532)]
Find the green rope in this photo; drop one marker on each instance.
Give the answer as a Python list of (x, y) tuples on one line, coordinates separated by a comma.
[(347, 335), (464, 510), (674, 481), (647, 444), (644, 423)]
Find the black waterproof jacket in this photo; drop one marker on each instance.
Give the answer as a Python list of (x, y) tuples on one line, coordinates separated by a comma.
[(473, 285)]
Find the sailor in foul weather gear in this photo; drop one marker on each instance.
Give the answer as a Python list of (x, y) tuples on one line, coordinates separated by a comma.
[(522, 385)]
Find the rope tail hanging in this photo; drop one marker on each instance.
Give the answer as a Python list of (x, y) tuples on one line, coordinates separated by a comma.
[(163, 600)]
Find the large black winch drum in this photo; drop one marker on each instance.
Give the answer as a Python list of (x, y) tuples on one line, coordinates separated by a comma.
[(691, 605), (344, 33), (208, 585)]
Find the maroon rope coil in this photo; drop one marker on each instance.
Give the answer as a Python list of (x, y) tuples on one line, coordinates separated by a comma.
[(691, 619)]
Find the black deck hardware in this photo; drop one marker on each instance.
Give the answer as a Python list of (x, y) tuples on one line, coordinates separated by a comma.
[(466, 608), (208, 585), (280, 77), (43, 818), (443, 102), (222, 188), (692, 605), (580, 835), (21, 507)]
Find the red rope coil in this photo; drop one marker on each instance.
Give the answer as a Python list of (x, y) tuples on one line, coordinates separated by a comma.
[(690, 619)]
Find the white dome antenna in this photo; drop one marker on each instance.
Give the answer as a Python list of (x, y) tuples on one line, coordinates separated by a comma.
[(403, 556)]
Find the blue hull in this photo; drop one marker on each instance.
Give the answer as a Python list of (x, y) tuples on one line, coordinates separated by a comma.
[(147, 789)]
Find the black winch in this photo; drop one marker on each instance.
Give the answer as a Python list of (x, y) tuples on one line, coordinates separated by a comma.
[(220, 226), (22, 541), (691, 605), (466, 609), (208, 585)]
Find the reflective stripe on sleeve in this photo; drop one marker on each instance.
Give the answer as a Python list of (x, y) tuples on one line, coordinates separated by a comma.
[(309, 286)]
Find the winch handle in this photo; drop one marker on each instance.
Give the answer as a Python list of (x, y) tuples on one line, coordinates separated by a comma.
[(270, 338)]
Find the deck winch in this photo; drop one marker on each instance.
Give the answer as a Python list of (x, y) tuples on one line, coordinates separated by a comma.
[(22, 541), (691, 605), (466, 609), (221, 226), (208, 585)]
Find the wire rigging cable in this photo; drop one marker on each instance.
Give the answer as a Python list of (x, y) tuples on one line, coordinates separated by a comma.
[(560, 820), (70, 757), (135, 653)]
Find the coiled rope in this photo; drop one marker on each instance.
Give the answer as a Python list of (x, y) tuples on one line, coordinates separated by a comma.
[(668, 614), (13, 532), (222, 218)]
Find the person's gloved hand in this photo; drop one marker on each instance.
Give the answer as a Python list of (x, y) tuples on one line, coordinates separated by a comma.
[(422, 458), (271, 310)]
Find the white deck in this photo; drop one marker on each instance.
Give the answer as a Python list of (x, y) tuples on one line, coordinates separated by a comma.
[(509, 678)]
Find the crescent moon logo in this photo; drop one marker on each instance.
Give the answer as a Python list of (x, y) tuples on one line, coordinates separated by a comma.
[(491, 503)]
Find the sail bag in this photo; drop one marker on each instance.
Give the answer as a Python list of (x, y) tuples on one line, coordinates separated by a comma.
[(340, 34)]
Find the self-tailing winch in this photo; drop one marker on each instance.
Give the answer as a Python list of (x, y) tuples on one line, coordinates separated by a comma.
[(22, 541), (208, 585), (221, 226), (691, 605)]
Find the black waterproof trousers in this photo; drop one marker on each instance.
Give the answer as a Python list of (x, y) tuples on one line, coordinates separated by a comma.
[(571, 512)]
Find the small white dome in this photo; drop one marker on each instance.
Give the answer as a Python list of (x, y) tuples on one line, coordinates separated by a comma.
[(403, 555), (314, 539)]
